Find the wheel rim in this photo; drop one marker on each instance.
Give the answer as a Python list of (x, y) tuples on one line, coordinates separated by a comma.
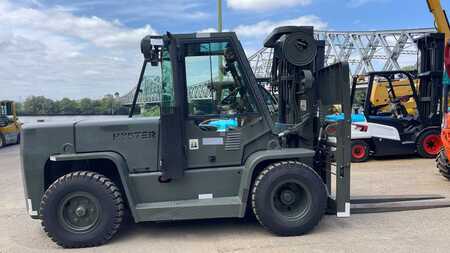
[(79, 212), (432, 144), (358, 151), (291, 199)]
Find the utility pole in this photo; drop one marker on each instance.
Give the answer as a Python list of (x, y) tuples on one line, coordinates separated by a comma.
[(219, 15)]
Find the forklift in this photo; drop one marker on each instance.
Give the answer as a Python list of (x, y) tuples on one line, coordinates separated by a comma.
[(222, 151), (442, 162), (9, 124), (390, 128)]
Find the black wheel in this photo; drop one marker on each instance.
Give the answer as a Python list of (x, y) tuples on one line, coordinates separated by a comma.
[(18, 139), (82, 209), (442, 164), (2, 141), (429, 143), (360, 151), (289, 198)]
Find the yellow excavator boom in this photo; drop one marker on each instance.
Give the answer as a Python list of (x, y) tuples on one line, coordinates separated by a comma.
[(440, 17)]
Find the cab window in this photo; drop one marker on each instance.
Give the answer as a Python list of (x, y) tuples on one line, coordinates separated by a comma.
[(217, 91)]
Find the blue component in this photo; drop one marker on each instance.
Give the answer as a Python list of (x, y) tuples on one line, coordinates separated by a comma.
[(339, 117), (222, 125), (446, 80)]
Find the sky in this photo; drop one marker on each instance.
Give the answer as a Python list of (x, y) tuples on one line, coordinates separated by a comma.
[(89, 48)]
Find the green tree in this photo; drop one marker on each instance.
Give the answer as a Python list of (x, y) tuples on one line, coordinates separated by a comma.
[(38, 105), (409, 68), (86, 106), (68, 106)]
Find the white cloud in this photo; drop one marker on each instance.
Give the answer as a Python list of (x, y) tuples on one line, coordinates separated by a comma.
[(260, 5), (263, 28), (252, 35), (92, 29), (208, 30), (55, 53), (358, 3)]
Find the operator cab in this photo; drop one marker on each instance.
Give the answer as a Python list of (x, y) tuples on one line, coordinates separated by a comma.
[(391, 99), (208, 100)]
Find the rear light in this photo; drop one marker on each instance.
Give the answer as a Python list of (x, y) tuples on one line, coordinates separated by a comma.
[(331, 129), (362, 128)]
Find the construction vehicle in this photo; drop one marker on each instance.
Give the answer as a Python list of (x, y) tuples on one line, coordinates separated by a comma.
[(9, 124), (371, 136), (390, 128), (215, 152), (442, 161), (440, 17), (443, 26)]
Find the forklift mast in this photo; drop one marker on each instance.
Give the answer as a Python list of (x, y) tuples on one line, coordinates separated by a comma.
[(430, 70), (307, 92), (297, 59)]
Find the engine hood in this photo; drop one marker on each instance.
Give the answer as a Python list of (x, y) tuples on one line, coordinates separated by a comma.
[(136, 139), (48, 138)]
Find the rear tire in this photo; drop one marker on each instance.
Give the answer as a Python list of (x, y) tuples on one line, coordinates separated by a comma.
[(360, 151), (442, 164), (18, 139), (429, 144), (289, 198), (82, 209)]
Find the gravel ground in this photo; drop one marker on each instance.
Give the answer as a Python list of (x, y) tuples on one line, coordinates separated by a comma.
[(412, 231)]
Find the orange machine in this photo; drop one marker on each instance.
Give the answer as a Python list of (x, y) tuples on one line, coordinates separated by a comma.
[(445, 134)]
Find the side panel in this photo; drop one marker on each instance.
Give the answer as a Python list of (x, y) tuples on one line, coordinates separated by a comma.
[(383, 131), (35, 149), (136, 139), (199, 194), (10, 132), (215, 182), (385, 147)]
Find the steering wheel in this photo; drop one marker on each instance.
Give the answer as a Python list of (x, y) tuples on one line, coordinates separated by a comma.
[(398, 109)]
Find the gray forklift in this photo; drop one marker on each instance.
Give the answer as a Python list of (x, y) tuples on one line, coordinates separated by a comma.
[(222, 146)]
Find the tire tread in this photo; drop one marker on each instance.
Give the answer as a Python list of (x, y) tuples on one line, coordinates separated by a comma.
[(108, 185)]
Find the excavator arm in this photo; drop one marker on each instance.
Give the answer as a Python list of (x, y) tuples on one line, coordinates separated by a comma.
[(440, 17)]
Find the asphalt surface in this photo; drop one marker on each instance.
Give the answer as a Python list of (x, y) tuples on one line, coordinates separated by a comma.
[(411, 231)]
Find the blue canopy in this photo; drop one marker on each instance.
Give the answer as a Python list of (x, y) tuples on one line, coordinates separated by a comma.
[(338, 117)]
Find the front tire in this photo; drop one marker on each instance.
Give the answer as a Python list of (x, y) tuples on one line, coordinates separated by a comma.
[(442, 164), (82, 209), (429, 144), (289, 198)]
